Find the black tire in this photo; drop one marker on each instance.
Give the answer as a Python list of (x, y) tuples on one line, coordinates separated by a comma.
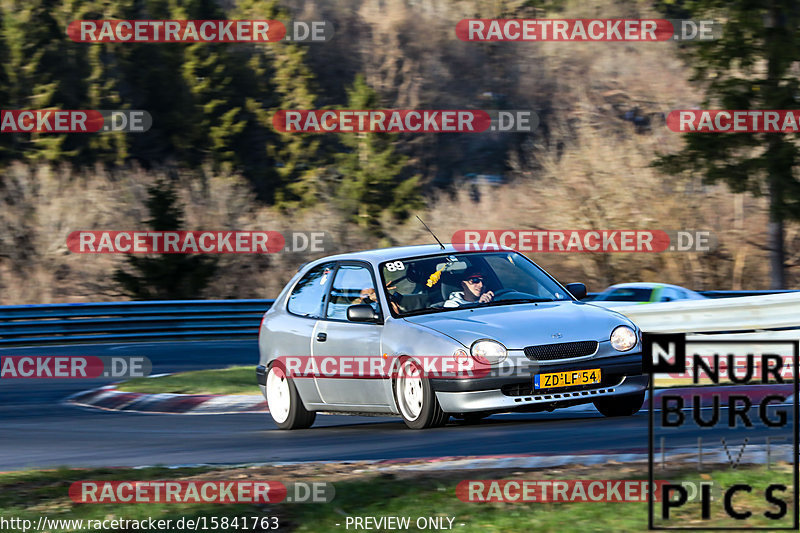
[(627, 405), (298, 417), (430, 412)]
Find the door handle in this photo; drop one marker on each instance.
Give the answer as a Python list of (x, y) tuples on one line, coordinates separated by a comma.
[(322, 337)]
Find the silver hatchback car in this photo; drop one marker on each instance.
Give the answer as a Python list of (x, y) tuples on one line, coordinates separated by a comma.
[(429, 332)]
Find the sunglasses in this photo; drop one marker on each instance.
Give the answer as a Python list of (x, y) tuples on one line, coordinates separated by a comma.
[(474, 280)]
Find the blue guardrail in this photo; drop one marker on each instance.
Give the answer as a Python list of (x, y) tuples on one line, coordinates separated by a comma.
[(114, 322), (32, 325)]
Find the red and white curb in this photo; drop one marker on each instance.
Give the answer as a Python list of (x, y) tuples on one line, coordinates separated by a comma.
[(110, 399), (754, 454)]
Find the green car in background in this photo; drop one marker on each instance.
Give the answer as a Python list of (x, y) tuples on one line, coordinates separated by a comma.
[(643, 293)]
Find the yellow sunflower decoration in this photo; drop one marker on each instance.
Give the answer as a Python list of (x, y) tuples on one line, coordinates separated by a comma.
[(434, 278)]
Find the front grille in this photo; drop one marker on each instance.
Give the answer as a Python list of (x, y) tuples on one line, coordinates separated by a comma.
[(561, 350)]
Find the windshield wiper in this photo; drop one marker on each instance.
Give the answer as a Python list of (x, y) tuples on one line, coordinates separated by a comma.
[(426, 310), (519, 301), (473, 305)]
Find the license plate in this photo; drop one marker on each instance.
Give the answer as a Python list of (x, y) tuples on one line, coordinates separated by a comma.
[(566, 379)]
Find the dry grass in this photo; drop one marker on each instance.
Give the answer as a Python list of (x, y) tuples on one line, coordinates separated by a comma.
[(587, 167)]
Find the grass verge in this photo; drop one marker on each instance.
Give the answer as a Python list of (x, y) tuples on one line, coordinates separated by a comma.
[(232, 380), (363, 491)]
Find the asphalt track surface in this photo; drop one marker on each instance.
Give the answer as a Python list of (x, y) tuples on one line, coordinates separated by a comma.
[(38, 431)]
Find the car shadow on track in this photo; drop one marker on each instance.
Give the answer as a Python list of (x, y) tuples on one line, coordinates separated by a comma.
[(330, 423)]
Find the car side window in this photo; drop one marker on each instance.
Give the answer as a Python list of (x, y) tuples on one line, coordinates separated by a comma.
[(351, 285), (668, 294), (308, 296), (629, 295)]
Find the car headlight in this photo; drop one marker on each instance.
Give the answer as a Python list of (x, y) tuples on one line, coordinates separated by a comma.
[(623, 338), (488, 352)]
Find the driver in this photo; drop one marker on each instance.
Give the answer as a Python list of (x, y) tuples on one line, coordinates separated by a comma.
[(473, 291)]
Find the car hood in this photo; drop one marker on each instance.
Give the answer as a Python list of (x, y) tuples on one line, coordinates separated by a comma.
[(520, 325)]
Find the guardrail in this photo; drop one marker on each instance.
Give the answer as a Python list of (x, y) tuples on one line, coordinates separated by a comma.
[(747, 313), (33, 325), (717, 294), (737, 294), (26, 325)]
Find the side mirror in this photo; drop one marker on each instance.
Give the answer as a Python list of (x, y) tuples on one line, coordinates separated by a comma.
[(578, 290), (362, 313)]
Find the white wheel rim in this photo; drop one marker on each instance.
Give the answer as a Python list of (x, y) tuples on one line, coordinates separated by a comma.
[(278, 398), (410, 394)]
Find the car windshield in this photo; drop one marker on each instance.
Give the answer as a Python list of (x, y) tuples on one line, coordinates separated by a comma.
[(627, 295), (451, 281)]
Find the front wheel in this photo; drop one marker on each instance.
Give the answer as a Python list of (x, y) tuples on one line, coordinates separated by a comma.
[(283, 400), (415, 398), (627, 405)]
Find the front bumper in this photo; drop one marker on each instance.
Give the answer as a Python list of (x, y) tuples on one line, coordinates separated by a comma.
[(622, 365), (495, 400), (621, 375)]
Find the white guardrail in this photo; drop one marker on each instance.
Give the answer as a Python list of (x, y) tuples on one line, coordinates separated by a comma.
[(747, 313)]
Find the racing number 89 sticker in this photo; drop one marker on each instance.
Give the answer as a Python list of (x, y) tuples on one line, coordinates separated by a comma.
[(395, 266)]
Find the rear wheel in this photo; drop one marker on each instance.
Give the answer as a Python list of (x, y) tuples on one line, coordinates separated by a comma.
[(283, 400), (627, 405), (416, 399)]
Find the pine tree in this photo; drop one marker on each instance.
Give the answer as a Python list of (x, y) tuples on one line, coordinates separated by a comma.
[(209, 71), (301, 159), (51, 75), (372, 172), (152, 81), (105, 79), (753, 66), (167, 276), (5, 86), (298, 158)]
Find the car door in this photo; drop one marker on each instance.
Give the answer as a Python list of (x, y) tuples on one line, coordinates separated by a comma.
[(336, 336), (306, 305)]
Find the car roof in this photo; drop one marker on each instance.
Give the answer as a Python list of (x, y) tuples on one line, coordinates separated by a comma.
[(379, 255), (645, 285)]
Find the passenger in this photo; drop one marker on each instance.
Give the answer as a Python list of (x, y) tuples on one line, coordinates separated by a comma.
[(367, 296), (473, 292)]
